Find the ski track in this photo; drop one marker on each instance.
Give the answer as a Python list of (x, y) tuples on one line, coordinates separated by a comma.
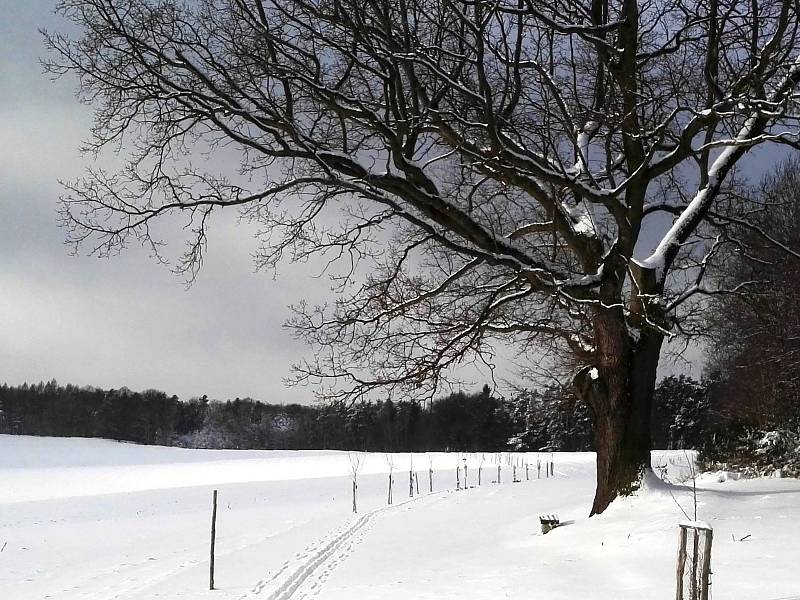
[(141, 575), (303, 576)]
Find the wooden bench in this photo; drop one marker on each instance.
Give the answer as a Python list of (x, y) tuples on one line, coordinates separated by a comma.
[(549, 522)]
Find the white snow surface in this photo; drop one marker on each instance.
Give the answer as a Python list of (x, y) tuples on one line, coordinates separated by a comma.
[(96, 519)]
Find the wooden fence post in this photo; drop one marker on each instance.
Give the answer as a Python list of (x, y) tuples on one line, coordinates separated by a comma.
[(213, 541), (706, 565), (681, 564), (697, 573)]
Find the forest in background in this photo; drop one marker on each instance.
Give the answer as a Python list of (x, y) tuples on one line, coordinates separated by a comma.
[(459, 421), (547, 419)]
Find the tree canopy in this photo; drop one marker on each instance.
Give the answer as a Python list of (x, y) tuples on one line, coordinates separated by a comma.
[(493, 166)]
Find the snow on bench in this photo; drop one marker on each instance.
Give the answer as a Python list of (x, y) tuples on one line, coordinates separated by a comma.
[(549, 522)]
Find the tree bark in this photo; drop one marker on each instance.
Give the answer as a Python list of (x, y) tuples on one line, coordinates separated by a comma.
[(619, 391)]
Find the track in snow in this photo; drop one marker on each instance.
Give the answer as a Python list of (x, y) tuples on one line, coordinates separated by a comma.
[(303, 576)]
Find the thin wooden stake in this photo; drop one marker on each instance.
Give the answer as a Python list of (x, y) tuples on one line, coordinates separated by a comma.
[(706, 565), (213, 541), (695, 560), (681, 564)]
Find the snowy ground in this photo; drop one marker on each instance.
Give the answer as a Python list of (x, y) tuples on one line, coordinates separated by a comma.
[(93, 519)]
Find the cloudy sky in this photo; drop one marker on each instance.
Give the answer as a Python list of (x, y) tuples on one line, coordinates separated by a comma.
[(126, 320), (123, 321)]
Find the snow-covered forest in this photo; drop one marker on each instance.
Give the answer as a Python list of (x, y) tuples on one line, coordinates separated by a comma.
[(687, 415)]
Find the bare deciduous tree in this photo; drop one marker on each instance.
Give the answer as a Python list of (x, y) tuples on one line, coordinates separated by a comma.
[(356, 460), (502, 169), (390, 482), (755, 348)]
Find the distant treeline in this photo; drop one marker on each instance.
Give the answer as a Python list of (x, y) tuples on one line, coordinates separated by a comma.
[(547, 419), (459, 421)]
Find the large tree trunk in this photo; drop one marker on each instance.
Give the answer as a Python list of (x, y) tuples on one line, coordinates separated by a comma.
[(619, 391)]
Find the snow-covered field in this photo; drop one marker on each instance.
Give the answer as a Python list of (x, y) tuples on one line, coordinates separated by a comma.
[(94, 519)]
